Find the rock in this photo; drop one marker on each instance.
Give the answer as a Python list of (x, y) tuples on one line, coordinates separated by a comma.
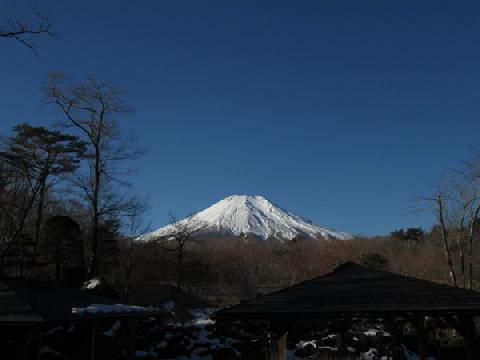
[(49, 354), (210, 327), (223, 354), (307, 350), (175, 348), (251, 350), (183, 316)]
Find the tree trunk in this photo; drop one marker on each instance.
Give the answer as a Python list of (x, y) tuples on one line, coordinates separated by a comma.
[(471, 233), (462, 267), (18, 230), (57, 271), (22, 259), (461, 248), (38, 224), (128, 272), (467, 329), (421, 343), (459, 237), (445, 240), (95, 208), (180, 268), (470, 256), (58, 259)]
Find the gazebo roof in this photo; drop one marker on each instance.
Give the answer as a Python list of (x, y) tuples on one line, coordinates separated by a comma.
[(354, 289), (32, 301)]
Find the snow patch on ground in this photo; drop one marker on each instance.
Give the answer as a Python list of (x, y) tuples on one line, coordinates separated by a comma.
[(108, 309), (141, 354), (162, 344), (371, 354), (169, 306), (54, 330), (302, 344), (92, 284), (375, 332), (202, 338), (113, 330), (410, 355), (46, 350)]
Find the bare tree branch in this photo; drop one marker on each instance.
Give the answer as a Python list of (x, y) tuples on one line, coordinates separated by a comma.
[(25, 31), (180, 232)]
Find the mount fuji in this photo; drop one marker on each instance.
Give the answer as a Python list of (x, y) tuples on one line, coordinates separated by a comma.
[(247, 215)]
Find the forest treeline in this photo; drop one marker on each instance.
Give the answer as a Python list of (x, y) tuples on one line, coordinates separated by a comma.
[(247, 267)]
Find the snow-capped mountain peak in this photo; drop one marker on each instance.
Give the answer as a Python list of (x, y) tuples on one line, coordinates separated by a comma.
[(252, 215)]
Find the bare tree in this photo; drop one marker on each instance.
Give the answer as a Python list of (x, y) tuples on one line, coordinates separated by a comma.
[(10, 184), (92, 108), (442, 209), (471, 176), (178, 234), (24, 31), (19, 198), (135, 226), (457, 208), (16, 201)]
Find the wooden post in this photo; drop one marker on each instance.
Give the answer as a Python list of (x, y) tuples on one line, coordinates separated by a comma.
[(277, 347), (421, 343), (30, 331), (131, 339), (93, 335), (392, 327), (467, 329)]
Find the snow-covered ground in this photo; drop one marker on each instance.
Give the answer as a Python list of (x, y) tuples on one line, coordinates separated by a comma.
[(247, 214), (108, 309), (202, 339), (195, 334)]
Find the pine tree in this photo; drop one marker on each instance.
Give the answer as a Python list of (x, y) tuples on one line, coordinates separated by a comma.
[(37, 154), (62, 244)]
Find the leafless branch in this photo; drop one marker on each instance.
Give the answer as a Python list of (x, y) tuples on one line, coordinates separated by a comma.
[(25, 31)]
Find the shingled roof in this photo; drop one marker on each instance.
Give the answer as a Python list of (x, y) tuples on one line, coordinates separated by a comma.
[(28, 301), (354, 289)]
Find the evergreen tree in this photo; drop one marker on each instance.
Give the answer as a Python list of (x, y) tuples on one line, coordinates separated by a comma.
[(37, 154), (62, 244), (374, 260), (109, 250)]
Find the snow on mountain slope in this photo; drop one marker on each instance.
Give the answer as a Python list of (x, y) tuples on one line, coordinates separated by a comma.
[(254, 215)]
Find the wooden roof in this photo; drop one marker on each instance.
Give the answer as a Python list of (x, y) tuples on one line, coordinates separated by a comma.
[(14, 308), (31, 301), (157, 294), (355, 289)]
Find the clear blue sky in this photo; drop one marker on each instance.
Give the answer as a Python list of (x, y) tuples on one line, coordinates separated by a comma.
[(340, 111)]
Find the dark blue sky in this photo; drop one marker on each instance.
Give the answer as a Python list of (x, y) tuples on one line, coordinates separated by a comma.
[(340, 111)]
